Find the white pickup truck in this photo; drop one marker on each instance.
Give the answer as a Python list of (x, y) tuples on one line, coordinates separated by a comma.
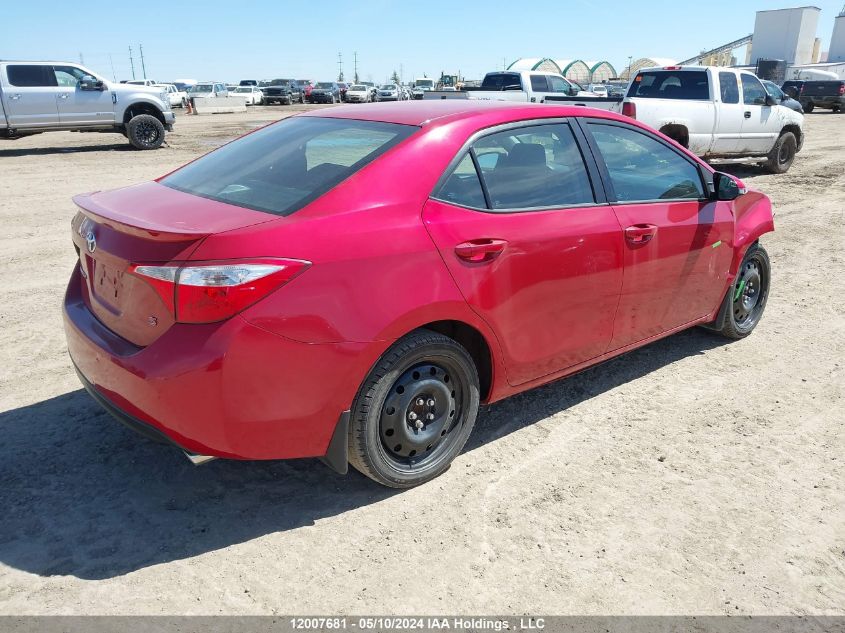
[(532, 86), (38, 97), (718, 113)]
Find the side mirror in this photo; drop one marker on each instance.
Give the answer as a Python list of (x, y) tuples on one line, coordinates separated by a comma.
[(770, 100), (727, 187), (573, 90), (90, 83)]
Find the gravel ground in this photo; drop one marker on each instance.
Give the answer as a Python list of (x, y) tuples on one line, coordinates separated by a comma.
[(691, 476)]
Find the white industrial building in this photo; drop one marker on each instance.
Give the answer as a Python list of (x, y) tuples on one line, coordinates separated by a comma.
[(788, 34), (836, 52)]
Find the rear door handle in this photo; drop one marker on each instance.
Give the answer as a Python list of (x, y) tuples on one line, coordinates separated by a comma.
[(640, 233), (15, 97), (62, 96), (481, 250), (747, 114)]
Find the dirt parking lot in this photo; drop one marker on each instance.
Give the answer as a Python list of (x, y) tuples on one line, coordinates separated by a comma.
[(694, 476)]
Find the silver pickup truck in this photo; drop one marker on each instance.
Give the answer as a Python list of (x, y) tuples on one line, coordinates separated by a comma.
[(38, 97)]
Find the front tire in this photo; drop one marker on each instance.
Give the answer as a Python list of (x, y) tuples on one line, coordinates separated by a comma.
[(144, 131), (782, 155), (809, 107), (744, 304), (415, 410)]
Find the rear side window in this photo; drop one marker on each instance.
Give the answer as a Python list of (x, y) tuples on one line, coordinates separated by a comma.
[(729, 88), (753, 92), (642, 168), (283, 167), (538, 83), (524, 168), (463, 187), (670, 84), (30, 76)]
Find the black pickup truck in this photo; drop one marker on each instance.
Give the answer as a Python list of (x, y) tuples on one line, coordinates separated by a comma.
[(282, 91)]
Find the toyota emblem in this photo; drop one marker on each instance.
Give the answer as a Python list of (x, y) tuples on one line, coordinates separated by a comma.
[(91, 241)]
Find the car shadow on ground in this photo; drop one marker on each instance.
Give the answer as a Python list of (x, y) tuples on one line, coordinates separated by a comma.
[(79, 149), (83, 496)]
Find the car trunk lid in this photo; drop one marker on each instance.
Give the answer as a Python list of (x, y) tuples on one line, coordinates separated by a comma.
[(143, 224)]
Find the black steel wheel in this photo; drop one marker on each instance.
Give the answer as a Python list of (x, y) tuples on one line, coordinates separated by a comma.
[(144, 131), (414, 411), (746, 300)]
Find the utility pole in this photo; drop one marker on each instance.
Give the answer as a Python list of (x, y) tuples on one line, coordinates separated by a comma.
[(339, 67), (355, 58), (113, 74), (132, 62), (143, 67), (401, 72), (81, 58), (630, 57)]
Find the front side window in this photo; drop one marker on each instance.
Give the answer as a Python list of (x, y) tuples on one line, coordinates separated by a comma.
[(30, 76), (281, 168), (729, 88), (753, 92), (68, 76), (642, 168), (557, 84)]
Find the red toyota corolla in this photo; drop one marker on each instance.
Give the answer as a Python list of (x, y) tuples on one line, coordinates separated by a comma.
[(351, 283)]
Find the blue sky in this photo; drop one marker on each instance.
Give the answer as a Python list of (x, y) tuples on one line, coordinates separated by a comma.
[(229, 40)]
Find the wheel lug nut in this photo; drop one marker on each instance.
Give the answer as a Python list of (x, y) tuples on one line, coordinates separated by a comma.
[(412, 416), (418, 424), (430, 402), (430, 416), (420, 402)]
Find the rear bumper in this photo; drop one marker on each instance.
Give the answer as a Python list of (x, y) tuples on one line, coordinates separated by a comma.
[(226, 389)]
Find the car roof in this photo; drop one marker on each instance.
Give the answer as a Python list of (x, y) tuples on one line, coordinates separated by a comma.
[(424, 112)]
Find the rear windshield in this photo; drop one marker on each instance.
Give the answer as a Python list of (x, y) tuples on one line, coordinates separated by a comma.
[(281, 168), (501, 81), (670, 84)]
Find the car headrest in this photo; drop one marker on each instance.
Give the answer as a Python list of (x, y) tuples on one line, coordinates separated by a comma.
[(526, 155)]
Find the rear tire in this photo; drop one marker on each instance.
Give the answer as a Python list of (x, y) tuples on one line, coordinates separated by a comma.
[(414, 411), (746, 299), (782, 155), (144, 131)]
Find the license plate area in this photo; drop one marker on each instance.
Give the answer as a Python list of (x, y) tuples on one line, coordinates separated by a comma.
[(107, 285)]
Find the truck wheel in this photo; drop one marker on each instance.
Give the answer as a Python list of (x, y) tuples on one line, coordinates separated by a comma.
[(782, 155), (809, 107), (144, 131), (415, 410)]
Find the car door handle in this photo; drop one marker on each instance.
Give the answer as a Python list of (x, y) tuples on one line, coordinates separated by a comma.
[(481, 250), (747, 114), (15, 97), (64, 96), (640, 233)]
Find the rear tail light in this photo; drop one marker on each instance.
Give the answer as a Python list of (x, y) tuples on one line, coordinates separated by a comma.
[(205, 292), (672, 67), (841, 89), (629, 109)]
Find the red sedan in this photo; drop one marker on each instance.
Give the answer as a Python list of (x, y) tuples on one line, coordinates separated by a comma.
[(350, 284)]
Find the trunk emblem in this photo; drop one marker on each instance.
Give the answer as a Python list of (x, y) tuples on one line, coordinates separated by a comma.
[(153, 321), (91, 242)]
